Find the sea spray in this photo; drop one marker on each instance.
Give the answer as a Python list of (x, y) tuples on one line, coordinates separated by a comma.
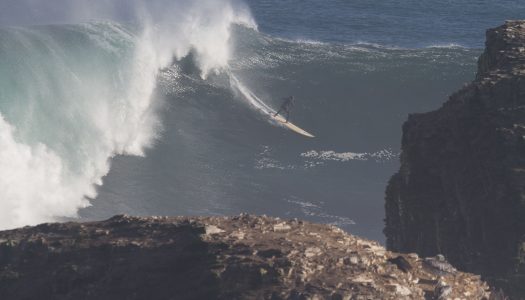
[(73, 96)]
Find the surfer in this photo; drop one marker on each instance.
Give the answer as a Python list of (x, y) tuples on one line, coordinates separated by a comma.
[(286, 107)]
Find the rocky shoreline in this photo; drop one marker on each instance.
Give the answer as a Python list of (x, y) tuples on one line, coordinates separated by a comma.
[(242, 257)]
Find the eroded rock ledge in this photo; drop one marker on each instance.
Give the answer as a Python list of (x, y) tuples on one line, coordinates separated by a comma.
[(243, 257), (460, 190)]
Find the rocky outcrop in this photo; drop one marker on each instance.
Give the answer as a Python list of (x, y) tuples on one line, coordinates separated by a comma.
[(244, 257), (460, 190)]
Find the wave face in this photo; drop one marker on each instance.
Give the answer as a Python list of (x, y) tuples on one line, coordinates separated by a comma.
[(73, 96)]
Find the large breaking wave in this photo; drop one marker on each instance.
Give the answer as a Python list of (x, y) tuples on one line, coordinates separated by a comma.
[(73, 96)]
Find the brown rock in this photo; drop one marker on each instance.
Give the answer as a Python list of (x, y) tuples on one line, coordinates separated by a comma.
[(207, 258)]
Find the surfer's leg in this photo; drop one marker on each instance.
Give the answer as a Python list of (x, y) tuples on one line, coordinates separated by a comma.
[(287, 115), (275, 115)]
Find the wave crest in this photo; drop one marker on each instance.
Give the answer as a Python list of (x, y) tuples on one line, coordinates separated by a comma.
[(73, 96)]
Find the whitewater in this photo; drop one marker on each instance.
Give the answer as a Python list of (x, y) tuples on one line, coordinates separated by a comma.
[(73, 96)]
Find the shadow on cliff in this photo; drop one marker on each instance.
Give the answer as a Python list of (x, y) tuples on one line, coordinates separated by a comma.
[(140, 270)]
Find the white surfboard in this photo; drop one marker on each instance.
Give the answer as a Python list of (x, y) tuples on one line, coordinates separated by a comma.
[(292, 126), (260, 105)]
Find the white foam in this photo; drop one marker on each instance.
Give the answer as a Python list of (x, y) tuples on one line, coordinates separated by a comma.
[(265, 161), (316, 210), (332, 155), (315, 158), (248, 95), (203, 27), (447, 46), (35, 186), (69, 117)]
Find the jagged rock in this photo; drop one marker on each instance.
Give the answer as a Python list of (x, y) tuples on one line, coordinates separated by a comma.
[(460, 190), (438, 265), (442, 291), (402, 263), (240, 257)]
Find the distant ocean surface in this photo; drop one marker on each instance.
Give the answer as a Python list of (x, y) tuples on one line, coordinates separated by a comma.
[(137, 108), (394, 23)]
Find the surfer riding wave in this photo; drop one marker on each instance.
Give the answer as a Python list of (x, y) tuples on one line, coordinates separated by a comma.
[(286, 107)]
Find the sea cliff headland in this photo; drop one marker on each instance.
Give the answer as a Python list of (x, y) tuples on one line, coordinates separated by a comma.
[(460, 190)]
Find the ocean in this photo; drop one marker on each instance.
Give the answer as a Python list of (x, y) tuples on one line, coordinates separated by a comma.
[(146, 108)]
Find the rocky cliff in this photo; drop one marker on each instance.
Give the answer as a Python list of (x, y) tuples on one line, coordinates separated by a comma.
[(244, 257), (460, 190)]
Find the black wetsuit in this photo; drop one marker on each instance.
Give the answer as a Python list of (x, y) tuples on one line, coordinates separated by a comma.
[(286, 107)]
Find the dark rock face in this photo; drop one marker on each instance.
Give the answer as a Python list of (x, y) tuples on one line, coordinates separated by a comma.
[(245, 257), (117, 259), (460, 190)]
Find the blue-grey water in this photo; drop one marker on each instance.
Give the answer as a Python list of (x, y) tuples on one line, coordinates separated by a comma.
[(402, 23), (82, 100)]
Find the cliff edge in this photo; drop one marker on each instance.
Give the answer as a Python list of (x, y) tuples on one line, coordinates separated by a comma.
[(243, 257), (460, 190)]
